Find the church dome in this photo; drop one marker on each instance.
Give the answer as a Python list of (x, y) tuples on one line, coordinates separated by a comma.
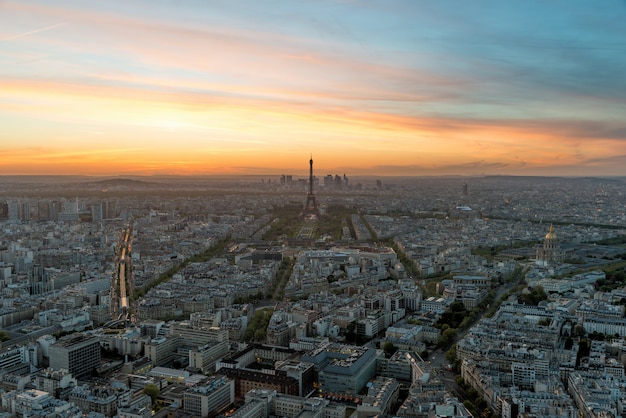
[(551, 234)]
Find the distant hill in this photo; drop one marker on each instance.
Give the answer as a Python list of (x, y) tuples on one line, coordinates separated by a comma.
[(556, 178), (120, 182)]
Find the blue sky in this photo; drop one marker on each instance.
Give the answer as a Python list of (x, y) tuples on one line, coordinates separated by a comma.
[(388, 87)]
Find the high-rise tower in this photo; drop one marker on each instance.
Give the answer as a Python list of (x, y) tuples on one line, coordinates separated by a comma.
[(310, 210)]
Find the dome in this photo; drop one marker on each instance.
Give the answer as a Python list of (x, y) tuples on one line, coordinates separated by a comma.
[(551, 234)]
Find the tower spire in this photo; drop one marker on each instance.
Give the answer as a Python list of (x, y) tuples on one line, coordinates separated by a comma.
[(311, 175)]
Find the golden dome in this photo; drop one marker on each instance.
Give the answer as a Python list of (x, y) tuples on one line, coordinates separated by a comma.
[(551, 234)]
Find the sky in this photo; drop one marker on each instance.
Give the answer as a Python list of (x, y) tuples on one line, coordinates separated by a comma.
[(365, 87)]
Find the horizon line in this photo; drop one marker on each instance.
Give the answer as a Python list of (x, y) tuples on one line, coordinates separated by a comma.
[(122, 176)]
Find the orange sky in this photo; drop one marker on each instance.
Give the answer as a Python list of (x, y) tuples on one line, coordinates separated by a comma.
[(97, 89)]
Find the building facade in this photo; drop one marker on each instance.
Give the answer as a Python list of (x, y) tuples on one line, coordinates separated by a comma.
[(77, 353)]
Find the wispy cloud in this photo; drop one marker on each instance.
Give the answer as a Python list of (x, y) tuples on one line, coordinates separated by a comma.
[(418, 88), (32, 32)]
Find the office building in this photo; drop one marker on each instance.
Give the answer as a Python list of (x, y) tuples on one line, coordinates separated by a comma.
[(209, 397), (77, 353), (342, 368)]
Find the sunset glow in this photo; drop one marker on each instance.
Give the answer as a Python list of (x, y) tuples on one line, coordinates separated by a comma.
[(367, 87)]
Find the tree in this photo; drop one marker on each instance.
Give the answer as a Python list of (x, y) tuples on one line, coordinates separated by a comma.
[(457, 306), (351, 334), (447, 337), (258, 324), (4, 336), (389, 349), (579, 331), (259, 335), (533, 296), (152, 391), (595, 335), (451, 354), (540, 294)]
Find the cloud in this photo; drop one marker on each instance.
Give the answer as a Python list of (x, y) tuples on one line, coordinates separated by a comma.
[(469, 168), (104, 100), (460, 90), (239, 58), (34, 31), (619, 160), (224, 60)]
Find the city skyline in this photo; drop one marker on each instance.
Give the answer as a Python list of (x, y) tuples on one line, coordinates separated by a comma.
[(366, 87)]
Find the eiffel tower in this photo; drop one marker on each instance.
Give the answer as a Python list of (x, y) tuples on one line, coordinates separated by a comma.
[(310, 210)]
